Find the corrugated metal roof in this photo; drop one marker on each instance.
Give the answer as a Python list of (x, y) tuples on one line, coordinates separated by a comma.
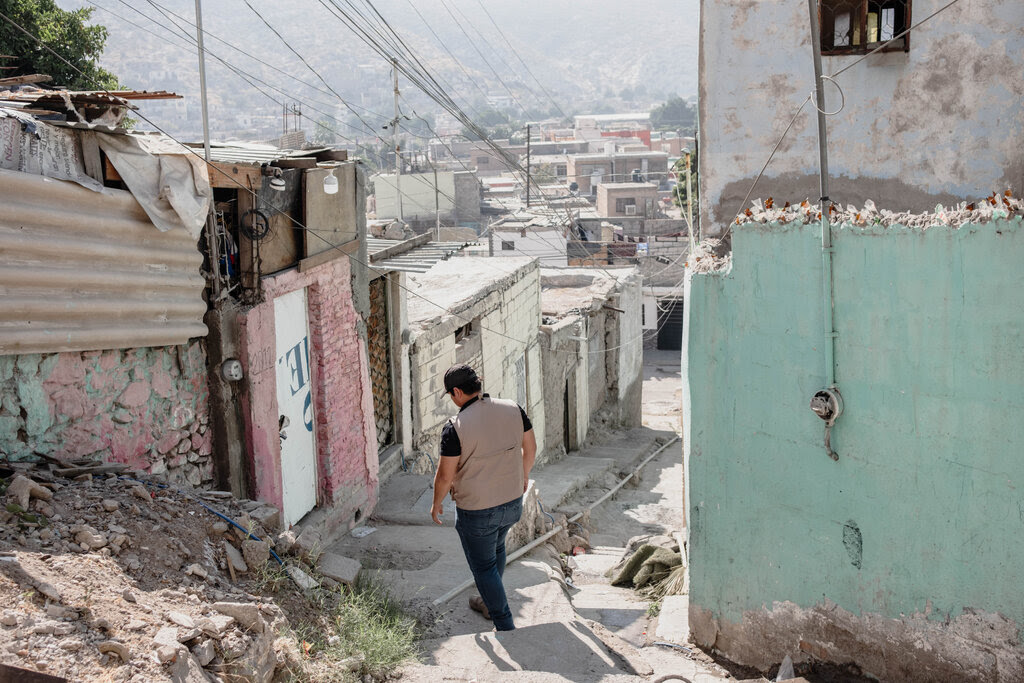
[(83, 270), (417, 259), (254, 154)]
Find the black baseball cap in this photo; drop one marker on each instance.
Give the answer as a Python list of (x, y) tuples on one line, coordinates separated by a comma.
[(458, 375)]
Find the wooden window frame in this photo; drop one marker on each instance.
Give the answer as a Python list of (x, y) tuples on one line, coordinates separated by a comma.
[(902, 45)]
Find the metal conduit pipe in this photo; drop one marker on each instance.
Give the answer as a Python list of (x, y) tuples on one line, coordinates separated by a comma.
[(826, 226), (537, 541)]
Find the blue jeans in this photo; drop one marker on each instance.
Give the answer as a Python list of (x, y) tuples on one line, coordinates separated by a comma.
[(482, 533)]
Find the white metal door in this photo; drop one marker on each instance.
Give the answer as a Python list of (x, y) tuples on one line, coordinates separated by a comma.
[(295, 404)]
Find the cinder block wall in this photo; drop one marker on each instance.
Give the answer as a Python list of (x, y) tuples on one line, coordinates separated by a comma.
[(509, 321), (905, 555)]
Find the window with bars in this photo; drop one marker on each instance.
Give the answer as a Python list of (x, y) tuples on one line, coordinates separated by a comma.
[(860, 26)]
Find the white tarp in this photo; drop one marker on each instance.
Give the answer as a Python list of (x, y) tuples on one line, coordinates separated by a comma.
[(166, 178), (169, 181), (32, 146)]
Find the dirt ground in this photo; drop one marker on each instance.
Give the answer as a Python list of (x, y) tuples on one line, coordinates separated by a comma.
[(110, 579)]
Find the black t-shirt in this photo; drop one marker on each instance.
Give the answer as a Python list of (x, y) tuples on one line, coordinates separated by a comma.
[(451, 447)]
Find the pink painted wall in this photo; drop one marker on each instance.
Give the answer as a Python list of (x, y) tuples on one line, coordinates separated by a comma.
[(342, 398), (148, 408)]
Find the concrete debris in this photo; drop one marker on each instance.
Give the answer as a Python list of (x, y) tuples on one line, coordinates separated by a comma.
[(166, 653), (302, 579), (115, 647), (993, 207), (180, 619), (255, 553), (197, 571), (339, 568), (248, 615), (204, 652), (22, 489), (234, 557)]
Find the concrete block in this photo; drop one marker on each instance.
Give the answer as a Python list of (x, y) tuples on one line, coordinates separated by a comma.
[(673, 620), (342, 569)]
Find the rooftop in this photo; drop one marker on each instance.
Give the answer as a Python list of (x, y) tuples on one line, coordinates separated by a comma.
[(629, 186), (454, 285), (592, 156), (569, 291)]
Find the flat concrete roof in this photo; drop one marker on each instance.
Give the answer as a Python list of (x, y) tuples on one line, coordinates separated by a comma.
[(592, 156), (454, 283), (573, 289), (628, 186)]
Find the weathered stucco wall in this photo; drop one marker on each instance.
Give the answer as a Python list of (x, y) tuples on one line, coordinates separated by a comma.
[(902, 556), (147, 408), (629, 350), (346, 440), (943, 122)]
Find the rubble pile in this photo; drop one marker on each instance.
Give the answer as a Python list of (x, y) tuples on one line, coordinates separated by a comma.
[(994, 207), (105, 577)]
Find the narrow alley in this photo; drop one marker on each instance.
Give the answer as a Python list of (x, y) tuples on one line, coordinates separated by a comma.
[(571, 623)]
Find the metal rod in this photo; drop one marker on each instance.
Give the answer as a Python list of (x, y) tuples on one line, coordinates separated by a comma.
[(528, 165), (537, 541), (211, 223), (437, 209), (826, 226), (398, 151)]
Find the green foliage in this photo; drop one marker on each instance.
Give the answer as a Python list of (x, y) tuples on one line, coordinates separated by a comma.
[(324, 133), (679, 196), (66, 33), (673, 114), (344, 634)]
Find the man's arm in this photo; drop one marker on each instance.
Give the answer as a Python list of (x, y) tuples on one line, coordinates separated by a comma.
[(446, 468), (529, 455)]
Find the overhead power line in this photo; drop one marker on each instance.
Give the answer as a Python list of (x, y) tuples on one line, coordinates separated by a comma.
[(521, 61)]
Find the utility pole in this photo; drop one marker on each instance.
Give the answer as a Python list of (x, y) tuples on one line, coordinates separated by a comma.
[(211, 226), (527, 165), (398, 151), (437, 209)]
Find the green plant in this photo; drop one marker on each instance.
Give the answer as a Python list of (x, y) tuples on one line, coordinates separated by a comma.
[(654, 609), (352, 632), (64, 31)]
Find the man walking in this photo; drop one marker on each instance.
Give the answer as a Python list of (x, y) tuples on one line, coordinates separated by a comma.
[(487, 451)]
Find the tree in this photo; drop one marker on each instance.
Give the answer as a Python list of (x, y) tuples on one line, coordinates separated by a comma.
[(673, 114), (63, 31), (324, 134)]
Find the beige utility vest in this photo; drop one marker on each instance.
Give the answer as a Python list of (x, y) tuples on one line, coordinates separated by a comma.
[(490, 470)]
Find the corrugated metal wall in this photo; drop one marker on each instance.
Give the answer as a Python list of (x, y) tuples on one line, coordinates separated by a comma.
[(80, 270)]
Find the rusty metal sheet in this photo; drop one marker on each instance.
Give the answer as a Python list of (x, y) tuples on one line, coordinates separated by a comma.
[(83, 270)]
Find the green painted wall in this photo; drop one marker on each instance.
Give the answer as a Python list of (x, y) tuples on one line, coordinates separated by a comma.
[(930, 362)]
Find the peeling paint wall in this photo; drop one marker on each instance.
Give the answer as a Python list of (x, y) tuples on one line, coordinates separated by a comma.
[(147, 408), (346, 438), (941, 123), (903, 556)]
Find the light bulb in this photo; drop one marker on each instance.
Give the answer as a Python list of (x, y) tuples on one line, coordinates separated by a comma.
[(330, 183), (277, 183)]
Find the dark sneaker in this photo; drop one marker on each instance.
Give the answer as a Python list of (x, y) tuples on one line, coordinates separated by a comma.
[(476, 603)]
